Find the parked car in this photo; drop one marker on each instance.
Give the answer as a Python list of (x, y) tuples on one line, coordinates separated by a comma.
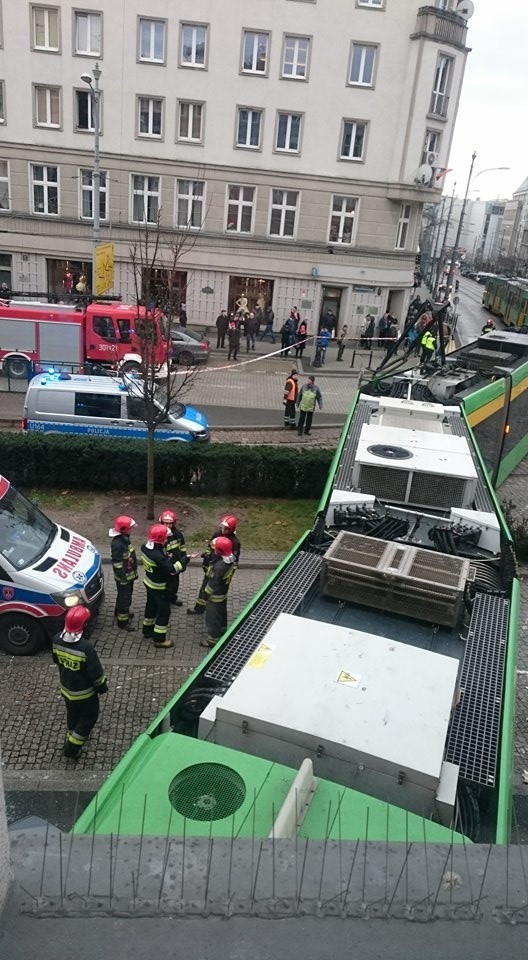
[(189, 347)]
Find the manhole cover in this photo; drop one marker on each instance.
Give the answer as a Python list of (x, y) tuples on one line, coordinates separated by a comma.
[(207, 791)]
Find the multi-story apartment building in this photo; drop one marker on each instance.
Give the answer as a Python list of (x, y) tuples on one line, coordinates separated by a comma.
[(299, 139)]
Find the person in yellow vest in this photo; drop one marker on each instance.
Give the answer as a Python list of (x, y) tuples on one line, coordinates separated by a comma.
[(428, 344), (291, 390)]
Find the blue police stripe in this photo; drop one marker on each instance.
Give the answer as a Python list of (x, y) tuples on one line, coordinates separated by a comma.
[(133, 433)]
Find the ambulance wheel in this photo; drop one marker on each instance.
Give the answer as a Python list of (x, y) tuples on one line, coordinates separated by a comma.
[(17, 368), (20, 636)]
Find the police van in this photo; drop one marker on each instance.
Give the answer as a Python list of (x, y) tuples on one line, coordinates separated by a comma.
[(44, 569), (104, 407)]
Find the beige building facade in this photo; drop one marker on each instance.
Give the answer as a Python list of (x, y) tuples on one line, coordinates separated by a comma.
[(298, 139)]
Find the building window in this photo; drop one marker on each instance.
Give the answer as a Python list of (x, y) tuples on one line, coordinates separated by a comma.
[(288, 132), (362, 63), (47, 107), (145, 199), (150, 111), (87, 195), (249, 124), (342, 219), (190, 203), (45, 184), (88, 34), (84, 118), (190, 121), (152, 40), (295, 57), (4, 186), (255, 52), (431, 145), (352, 140), (439, 97), (403, 226), (2, 102), (5, 270), (45, 28), (283, 213), (370, 3), (240, 209), (193, 45)]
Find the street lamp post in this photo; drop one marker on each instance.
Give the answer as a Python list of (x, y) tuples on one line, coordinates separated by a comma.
[(92, 79), (449, 282)]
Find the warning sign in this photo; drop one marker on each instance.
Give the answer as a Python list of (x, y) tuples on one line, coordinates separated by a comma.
[(260, 657), (348, 679)]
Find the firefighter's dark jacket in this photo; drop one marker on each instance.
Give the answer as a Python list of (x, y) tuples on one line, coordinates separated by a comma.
[(80, 671), (219, 576), (124, 561), (175, 546), (159, 568)]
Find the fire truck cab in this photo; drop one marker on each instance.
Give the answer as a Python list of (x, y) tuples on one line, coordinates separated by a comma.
[(44, 333)]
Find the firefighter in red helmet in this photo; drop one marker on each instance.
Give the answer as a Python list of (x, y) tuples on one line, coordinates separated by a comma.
[(159, 570), (175, 549), (124, 564), (220, 574), (226, 528), (82, 679)]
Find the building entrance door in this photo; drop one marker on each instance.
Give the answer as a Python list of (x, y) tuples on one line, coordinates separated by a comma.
[(330, 307)]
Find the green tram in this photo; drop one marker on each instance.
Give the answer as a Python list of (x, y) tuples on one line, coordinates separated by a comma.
[(367, 691), (507, 299)]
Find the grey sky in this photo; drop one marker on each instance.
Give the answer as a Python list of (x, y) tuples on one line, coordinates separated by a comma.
[(493, 106)]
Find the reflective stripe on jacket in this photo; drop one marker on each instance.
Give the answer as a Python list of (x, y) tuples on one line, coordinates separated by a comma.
[(124, 560), (219, 576), (80, 671), (158, 567)]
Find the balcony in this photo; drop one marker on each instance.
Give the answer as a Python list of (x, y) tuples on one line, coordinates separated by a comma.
[(443, 26)]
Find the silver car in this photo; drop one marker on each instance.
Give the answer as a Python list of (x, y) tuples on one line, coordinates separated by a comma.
[(189, 347)]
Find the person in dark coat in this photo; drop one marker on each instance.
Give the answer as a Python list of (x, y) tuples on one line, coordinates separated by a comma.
[(233, 336), (300, 343), (183, 316), (219, 575), (82, 679), (222, 323)]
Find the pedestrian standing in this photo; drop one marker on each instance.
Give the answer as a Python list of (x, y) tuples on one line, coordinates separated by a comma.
[(233, 336), (309, 396), (183, 315), (323, 340), (302, 333), (291, 389), (391, 335), (250, 329), (296, 317), (175, 550), (219, 576), (287, 333), (124, 565), (222, 324), (82, 679), (341, 342), (383, 326), (269, 317), (428, 345), (227, 528), (159, 570), (369, 332)]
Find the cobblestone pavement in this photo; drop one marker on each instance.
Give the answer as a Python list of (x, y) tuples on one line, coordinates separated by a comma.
[(141, 681)]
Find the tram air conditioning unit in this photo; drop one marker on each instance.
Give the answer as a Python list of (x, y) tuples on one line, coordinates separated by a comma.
[(416, 467)]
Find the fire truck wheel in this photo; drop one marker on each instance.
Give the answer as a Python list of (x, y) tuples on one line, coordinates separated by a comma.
[(17, 368), (20, 636), (131, 367)]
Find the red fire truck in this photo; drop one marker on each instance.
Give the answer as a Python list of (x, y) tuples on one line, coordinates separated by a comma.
[(48, 333)]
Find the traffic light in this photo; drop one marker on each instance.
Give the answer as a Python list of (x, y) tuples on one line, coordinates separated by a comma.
[(418, 259), (457, 284)]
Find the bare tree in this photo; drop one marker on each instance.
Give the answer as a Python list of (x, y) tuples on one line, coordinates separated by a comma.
[(156, 259)]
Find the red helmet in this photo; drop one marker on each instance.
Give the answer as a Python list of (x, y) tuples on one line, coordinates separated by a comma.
[(222, 546), (158, 533), (168, 516), (76, 618), (123, 524), (230, 522)]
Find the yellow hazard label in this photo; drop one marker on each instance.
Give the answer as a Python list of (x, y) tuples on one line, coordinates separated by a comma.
[(261, 656), (348, 679)]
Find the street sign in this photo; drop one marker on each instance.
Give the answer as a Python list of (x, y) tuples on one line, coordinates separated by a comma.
[(104, 268)]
